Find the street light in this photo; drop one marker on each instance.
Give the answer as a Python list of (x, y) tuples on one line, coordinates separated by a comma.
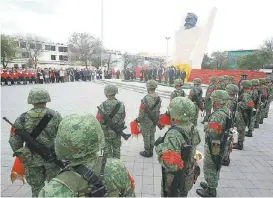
[(167, 39), (101, 61)]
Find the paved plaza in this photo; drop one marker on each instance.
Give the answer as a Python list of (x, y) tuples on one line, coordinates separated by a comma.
[(250, 173)]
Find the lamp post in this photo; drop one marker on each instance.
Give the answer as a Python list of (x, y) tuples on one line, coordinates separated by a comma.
[(101, 61), (167, 39)]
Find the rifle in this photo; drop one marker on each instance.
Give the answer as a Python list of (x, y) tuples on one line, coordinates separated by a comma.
[(33, 145), (118, 129)]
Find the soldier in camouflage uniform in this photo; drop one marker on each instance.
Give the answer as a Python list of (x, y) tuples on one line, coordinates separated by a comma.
[(208, 103), (182, 110), (232, 90), (112, 140), (269, 88), (37, 170), (245, 108), (257, 100), (178, 83), (214, 131), (78, 141), (195, 96), (226, 81), (264, 100), (148, 116), (231, 80), (221, 83)]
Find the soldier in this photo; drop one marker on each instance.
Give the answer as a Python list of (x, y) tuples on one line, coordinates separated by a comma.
[(208, 104), (195, 96), (256, 97), (177, 140), (264, 99), (178, 83), (260, 105), (243, 77), (148, 117), (78, 140), (231, 80), (243, 115), (232, 90), (270, 96), (115, 109), (3, 76), (221, 83), (226, 81), (216, 131), (36, 123)]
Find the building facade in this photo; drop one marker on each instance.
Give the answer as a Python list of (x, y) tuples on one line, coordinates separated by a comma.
[(233, 56)]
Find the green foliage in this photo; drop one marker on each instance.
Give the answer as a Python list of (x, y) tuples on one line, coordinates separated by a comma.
[(217, 61), (250, 61), (8, 48)]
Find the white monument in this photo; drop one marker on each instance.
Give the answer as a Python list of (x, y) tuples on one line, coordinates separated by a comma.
[(191, 42)]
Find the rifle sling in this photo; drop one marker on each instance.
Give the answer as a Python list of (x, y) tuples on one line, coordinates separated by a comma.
[(114, 111), (149, 110)]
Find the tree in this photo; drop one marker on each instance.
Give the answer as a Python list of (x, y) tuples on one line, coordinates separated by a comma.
[(85, 47), (251, 61), (8, 49), (219, 60), (96, 60), (266, 51), (109, 60), (206, 61), (127, 58)]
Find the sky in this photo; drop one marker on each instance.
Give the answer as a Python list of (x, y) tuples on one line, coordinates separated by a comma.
[(140, 25)]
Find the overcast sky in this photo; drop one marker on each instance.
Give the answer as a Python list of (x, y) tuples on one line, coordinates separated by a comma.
[(140, 25)]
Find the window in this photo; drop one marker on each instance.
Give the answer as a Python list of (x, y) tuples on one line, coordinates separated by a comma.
[(53, 48), (32, 45), (53, 57), (63, 58), (65, 49), (25, 55), (23, 44), (47, 47), (61, 49), (23, 66), (38, 46)]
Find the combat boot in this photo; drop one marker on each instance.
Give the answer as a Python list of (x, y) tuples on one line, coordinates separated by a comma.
[(262, 121), (266, 116), (204, 185), (208, 192), (248, 133), (256, 125), (238, 146), (145, 153), (225, 162)]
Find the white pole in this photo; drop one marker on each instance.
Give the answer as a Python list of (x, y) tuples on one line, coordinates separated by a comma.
[(101, 62), (167, 38)]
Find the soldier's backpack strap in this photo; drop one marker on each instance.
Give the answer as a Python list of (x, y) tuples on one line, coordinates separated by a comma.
[(115, 109)]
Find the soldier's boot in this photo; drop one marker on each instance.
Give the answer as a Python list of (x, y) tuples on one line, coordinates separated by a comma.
[(204, 185), (248, 133), (238, 145), (256, 126), (208, 192), (266, 115), (225, 162), (261, 121), (145, 153)]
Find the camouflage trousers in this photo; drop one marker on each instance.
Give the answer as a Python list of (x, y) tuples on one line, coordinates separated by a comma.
[(241, 126), (226, 156), (36, 176), (252, 123), (148, 133), (210, 173), (194, 121), (267, 107), (208, 107), (258, 116), (112, 148)]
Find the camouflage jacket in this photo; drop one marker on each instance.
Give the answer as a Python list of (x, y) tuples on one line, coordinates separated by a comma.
[(210, 89), (221, 86), (195, 94), (143, 118), (217, 123), (178, 93), (231, 103), (47, 137), (116, 179), (255, 97), (107, 107), (245, 101)]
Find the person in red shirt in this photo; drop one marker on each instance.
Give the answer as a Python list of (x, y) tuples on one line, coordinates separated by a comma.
[(3, 77), (9, 77), (21, 77), (33, 77), (15, 77)]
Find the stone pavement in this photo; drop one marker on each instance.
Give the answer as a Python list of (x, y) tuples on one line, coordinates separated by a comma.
[(250, 173)]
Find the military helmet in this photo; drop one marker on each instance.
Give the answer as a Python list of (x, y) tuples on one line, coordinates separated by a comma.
[(197, 81), (212, 79), (255, 82), (246, 84), (182, 109), (231, 78), (268, 80), (38, 95), (178, 82), (226, 77), (232, 89), (221, 78), (151, 84), (219, 97), (110, 90), (78, 136)]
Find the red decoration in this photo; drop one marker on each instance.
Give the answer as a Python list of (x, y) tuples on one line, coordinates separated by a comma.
[(215, 126), (134, 128), (17, 171), (142, 107), (164, 120), (250, 103), (98, 117), (172, 158)]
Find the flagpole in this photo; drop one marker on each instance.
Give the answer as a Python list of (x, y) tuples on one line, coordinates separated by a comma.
[(101, 61)]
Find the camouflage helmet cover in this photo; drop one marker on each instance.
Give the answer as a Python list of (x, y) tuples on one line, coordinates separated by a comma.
[(182, 109), (268, 80), (151, 84), (221, 78), (232, 89), (178, 82), (78, 136), (38, 95), (246, 84), (255, 82), (197, 81), (110, 90), (212, 79), (262, 81), (219, 97)]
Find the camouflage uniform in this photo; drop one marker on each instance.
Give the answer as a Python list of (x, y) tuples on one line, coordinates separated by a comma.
[(178, 83), (112, 140), (231, 80), (78, 140), (214, 137), (232, 90), (260, 106), (182, 110), (195, 95), (226, 81), (245, 107), (208, 103), (147, 126), (221, 83), (37, 170), (255, 98), (270, 96)]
